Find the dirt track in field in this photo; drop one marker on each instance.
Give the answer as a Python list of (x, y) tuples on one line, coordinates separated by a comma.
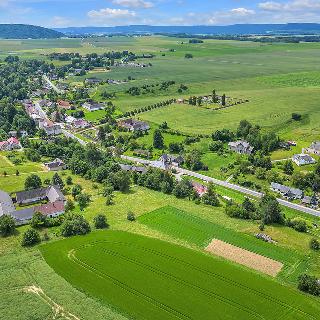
[(244, 257)]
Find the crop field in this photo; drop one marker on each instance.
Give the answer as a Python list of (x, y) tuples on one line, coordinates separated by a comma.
[(200, 232), (147, 278)]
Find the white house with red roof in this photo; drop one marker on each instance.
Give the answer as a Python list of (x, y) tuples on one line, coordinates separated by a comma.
[(10, 144)]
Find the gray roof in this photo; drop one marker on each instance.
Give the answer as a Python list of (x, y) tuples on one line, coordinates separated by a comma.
[(53, 193), (126, 167), (315, 145), (287, 190), (23, 215), (55, 164), (6, 203)]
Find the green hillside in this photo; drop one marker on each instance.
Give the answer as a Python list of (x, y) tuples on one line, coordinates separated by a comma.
[(24, 31)]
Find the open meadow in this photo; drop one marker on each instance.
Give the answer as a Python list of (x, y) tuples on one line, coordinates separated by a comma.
[(157, 267)]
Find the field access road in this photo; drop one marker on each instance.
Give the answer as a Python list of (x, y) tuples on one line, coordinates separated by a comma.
[(229, 185), (70, 135)]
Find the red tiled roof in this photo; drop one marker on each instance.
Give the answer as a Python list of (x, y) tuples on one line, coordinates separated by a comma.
[(64, 104), (50, 208), (13, 140)]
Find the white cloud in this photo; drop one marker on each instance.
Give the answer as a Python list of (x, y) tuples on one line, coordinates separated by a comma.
[(242, 11), (296, 5), (112, 16), (134, 3)]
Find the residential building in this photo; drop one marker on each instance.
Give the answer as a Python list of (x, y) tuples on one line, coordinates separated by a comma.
[(81, 124), (171, 160), (10, 144), (242, 147), (303, 159), (64, 104), (134, 125), (55, 165), (314, 148), (199, 188), (130, 168), (93, 81), (93, 106), (287, 192)]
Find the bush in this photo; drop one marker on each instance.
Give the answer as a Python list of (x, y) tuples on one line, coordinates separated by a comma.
[(100, 221), (309, 284), (30, 238), (75, 225), (296, 116), (131, 216), (298, 224), (7, 225), (315, 244), (38, 220)]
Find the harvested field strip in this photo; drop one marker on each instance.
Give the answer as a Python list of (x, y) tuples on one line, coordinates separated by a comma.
[(194, 230), (147, 278), (244, 257)]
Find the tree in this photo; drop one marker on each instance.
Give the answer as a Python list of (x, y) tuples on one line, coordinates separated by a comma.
[(76, 190), (188, 56), (183, 189), (210, 197), (69, 205), (248, 205), (288, 167), (296, 116), (83, 200), (38, 220), (223, 100), (158, 141), (193, 160), (131, 216), (309, 284), (30, 238), (315, 244), (17, 173), (75, 224), (100, 221), (32, 182), (7, 225), (57, 181), (120, 181), (270, 210), (69, 181)]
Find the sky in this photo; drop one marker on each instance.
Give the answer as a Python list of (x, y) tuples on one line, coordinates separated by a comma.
[(64, 13)]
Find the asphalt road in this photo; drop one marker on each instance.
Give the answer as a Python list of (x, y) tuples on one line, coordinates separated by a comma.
[(232, 186)]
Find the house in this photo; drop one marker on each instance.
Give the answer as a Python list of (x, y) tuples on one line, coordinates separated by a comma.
[(53, 208), (314, 148), (52, 129), (93, 106), (199, 188), (287, 192), (312, 202), (126, 167), (171, 160), (10, 144), (6, 203), (303, 159), (55, 165), (51, 194), (134, 125), (64, 104), (81, 124), (242, 147), (93, 81)]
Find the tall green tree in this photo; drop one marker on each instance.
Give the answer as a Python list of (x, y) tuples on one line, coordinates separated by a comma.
[(158, 141)]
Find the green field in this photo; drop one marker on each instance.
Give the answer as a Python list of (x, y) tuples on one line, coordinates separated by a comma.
[(151, 279), (194, 230)]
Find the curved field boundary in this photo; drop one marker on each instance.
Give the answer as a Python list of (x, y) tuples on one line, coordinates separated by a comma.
[(231, 281), (137, 265)]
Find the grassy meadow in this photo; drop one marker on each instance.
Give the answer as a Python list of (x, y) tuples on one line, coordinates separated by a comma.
[(277, 79)]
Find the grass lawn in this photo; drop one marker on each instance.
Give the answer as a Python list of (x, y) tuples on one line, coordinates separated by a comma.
[(159, 285)]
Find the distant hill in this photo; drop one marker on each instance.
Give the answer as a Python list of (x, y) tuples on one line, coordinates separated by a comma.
[(237, 29), (23, 31)]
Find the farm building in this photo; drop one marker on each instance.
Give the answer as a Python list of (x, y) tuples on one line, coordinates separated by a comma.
[(171, 160), (242, 147), (53, 208), (130, 168), (93, 81), (303, 159)]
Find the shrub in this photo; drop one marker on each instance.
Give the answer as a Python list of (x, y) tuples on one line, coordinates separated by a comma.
[(7, 225), (100, 221), (315, 244), (309, 284), (131, 216), (30, 238), (298, 224), (75, 225)]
